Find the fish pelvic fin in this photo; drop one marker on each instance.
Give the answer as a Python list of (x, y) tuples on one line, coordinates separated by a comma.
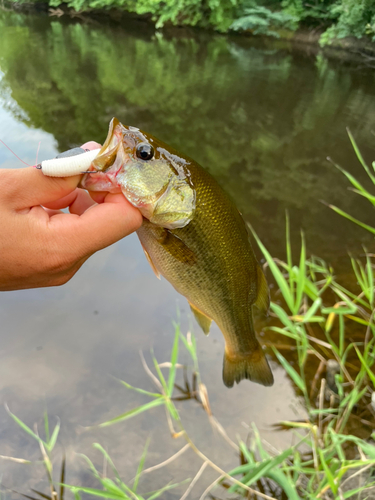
[(153, 267), (263, 295), (203, 321), (251, 365)]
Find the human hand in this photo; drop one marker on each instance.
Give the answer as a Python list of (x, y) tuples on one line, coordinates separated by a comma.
[(42, 246)]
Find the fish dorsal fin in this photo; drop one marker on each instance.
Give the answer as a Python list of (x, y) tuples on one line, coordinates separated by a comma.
[(153, 267), (263, 295), (174, 245), (203, 321)]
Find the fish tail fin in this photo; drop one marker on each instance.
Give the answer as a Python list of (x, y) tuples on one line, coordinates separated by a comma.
[(251, 365)]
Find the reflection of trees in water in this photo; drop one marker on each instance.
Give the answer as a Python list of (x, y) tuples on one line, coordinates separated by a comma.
[(262, 121)]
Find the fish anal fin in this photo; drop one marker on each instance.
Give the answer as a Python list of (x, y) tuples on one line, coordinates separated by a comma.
[(251, 365), (153, 267), (203, 321), (263, 295)]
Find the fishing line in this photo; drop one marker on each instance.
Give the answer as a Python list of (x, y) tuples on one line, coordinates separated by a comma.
[(2, 142)]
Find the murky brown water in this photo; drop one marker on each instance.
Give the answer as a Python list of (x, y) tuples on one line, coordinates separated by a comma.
[(262, 120)]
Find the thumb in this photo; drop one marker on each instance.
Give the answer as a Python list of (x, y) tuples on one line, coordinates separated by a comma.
[(100, 226), (27, 187)]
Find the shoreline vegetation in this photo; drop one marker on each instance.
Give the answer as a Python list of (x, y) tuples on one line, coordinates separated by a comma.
[(331, 24)]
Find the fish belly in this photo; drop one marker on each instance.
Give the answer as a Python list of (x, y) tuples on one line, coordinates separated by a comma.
[(206, 286), (222, 294)]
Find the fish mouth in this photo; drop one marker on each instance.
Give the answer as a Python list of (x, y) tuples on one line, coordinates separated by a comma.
[(106, 179), (112, 159)]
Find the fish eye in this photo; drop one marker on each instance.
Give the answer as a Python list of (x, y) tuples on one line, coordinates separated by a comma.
[(145, 151)]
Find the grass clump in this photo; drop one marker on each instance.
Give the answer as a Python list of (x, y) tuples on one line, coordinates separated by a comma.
[(326, 458)]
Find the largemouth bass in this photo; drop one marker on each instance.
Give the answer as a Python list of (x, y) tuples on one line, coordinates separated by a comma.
[(194, 236)]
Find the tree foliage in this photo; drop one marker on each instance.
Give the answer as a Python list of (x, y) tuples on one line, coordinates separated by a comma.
[(341, 18), (260, 20), (261, 120), (334, 18)]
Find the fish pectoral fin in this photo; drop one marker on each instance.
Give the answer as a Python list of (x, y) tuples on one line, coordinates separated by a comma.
[(174, 245), (203, 321), (251, 365), (153, 267), (263, 295)]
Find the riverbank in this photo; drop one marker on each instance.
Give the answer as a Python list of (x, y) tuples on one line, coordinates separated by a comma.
[(348, 48)]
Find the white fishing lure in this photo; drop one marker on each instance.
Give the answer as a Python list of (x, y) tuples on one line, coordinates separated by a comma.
[(68, 166)]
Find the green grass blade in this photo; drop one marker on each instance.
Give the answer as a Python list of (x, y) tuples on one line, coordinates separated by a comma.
[(342, 310), (246, 452), (359, 156), (46, 426), (370, 278), (187, 346), (110, 486), (158, 493), (352, 219), (99, 493), (141, 391), (289, 254), (133, 412), (355, 298), (312, 291), (356, 271), (277, 274), (172, 409), (99, 447), (191, 346), (24, 427), (174, 358), (287, 485), (140, 466), (368, 196), (301, 275), (51, 442), (358, 320), (159, 372), (354, 493), (297, 379), (282, 315), (310, 313), (337, 444), (365, 365), (241, 469), (76, 494), (341, 336), (357, 185), (328, 473), (283, 331), (261, 469)]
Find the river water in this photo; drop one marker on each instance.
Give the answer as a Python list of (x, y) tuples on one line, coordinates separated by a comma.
[(262, 118)]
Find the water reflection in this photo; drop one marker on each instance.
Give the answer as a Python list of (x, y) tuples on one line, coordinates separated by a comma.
[(262, 120)]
